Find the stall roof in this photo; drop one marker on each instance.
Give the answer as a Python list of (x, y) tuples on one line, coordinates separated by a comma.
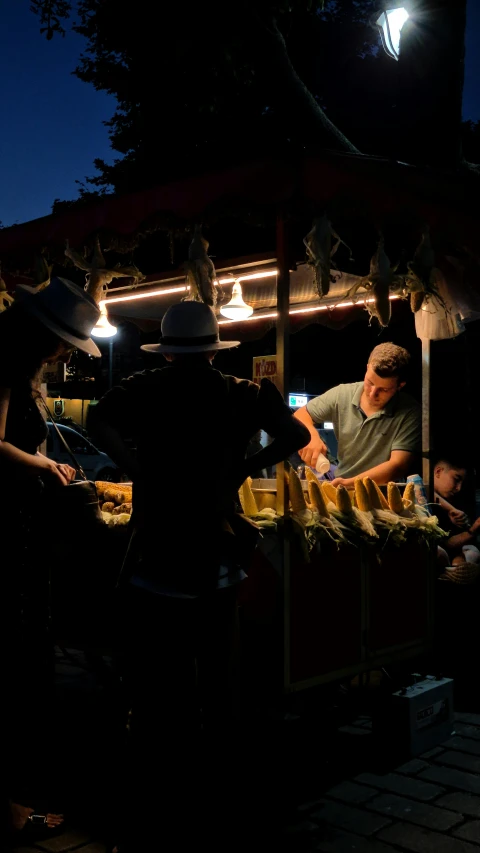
[(445, 199)]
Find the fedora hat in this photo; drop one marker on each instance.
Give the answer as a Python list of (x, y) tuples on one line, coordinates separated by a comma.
[(65, 309), (189, 327)]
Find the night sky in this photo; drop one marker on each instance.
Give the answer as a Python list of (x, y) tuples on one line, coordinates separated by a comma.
[(51, 122)]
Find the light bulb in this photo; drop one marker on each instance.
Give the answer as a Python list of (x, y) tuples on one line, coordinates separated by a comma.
[(236, 309), (103, 328)]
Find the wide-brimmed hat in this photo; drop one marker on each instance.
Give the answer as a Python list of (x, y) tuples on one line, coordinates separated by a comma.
[(189, 327), (65, 309)]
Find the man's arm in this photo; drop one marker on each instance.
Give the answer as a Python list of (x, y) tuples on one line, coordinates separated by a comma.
[(396, 467), (108, 423), (466, 538), (315, 412), (315, 446), (291, 436), (112, 442)]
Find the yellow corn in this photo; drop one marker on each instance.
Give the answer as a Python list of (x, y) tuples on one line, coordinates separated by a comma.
[(344, 503), (381, 496), (329, 492), (353, 498), (247, 499), (394, 498), (317, 499), (297, 498), (409, 496), (361, 494), (310, 475), (372, 493)]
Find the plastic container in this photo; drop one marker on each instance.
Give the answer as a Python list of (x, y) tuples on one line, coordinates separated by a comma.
[(323, 465), (420, 493)]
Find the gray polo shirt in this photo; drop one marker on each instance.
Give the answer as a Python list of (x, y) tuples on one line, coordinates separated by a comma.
[(365, 442)]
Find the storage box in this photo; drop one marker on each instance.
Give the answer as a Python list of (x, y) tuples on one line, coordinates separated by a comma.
[(421, 716)]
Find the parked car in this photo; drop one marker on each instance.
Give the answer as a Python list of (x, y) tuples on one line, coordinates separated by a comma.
[(96, 464)]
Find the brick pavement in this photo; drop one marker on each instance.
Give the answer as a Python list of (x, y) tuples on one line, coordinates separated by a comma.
[(426, 805), (430, 804)]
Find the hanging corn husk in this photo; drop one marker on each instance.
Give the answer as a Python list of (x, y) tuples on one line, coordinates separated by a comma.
[(200, 271), (439, 317), (98, 276), (320, 252), (378, 283)]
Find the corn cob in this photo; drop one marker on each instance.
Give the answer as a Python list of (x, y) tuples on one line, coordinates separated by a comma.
[(247, 499), (297, 498), (361, 494), (310, 476), (329, 492), (344, 503), (317, 499), (409, 496), (353, 498), (394, 498), (372, 493), (381, 496)]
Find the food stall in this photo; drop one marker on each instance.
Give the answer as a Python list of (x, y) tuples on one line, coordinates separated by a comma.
[(316, 607)]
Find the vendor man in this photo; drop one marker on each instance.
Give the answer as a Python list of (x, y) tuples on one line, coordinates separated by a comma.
[(377, 425)]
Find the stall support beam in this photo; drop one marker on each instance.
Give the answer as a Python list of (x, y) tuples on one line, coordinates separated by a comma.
[(427, 461), (283, 336), (283, 365)]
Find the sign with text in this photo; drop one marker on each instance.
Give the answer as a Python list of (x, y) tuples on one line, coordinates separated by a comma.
[(265, 367)]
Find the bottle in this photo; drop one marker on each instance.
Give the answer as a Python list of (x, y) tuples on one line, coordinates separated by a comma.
[(323, 465), (420, 493)]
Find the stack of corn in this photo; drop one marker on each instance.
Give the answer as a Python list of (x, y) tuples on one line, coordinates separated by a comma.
[(314, 517), (115, 502), (266, 517), (412, 515)]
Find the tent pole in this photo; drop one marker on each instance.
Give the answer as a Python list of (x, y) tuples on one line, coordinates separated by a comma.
[(283, 366), (427, 461), (283, 335)]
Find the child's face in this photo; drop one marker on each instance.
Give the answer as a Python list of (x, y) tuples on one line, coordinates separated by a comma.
[(448, 481)]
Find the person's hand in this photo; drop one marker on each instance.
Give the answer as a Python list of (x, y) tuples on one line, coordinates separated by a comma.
[(67, 471), (458, 518), (52, 471), (348, 482), (475, 526), (311, 452)]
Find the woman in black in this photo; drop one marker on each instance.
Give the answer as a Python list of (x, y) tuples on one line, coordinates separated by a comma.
[(39, 328)]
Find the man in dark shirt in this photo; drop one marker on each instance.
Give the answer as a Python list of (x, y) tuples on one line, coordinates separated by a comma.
[(191, 427)]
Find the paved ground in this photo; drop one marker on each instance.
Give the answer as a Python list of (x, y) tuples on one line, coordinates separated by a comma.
[(342, 799)]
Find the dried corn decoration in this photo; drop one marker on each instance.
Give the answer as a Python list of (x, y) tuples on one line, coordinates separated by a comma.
[(361, 494), (297, 498), (409, 496), (329, 492), (394, 498), (247, 498), (317, 499), (344, 504)]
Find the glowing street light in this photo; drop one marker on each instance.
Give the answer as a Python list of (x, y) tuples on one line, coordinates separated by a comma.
[(390, 24)]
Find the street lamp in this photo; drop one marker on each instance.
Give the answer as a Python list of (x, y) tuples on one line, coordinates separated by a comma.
[(390, 24)]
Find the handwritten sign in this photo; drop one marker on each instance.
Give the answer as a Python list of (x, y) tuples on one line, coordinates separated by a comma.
[(265, 367)]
